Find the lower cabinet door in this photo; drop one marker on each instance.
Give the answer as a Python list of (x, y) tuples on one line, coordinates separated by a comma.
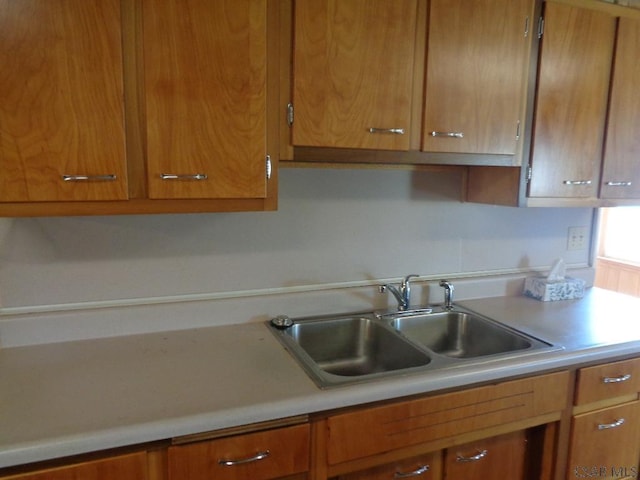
[(424, 467), (499, 458), (605, 443)]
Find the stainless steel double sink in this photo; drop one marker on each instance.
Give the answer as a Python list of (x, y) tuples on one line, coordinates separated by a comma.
[(347, 349)]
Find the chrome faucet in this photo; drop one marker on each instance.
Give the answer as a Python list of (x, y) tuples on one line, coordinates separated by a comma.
[(402, 293), (448, 294)]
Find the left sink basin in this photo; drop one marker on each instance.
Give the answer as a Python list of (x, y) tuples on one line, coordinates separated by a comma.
[(350, 348)]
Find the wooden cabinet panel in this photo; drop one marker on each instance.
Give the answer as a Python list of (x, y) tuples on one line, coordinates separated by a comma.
[(205, 95), (494, 458), (380, 429), (475, 81), (605, 443), (285, 451), (621, 169), (353, 72), (607, 381), (61, 101), (571, 104), (424, 467), (126, 467)]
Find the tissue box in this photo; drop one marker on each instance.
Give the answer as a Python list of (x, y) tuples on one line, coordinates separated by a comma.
[(541, 289)]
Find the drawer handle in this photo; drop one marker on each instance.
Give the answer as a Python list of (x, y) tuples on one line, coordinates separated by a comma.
[(605, 426), (479, 456), (621, 378), (618, 184), (89, 178), (194, 176), (392, 131), (417, 472), (256, 458), (448, 134), (577, 182)]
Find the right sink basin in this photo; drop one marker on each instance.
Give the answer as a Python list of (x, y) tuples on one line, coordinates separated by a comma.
[(461, 334)]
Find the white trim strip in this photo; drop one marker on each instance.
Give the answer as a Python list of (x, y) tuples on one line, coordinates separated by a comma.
[(201, 297)]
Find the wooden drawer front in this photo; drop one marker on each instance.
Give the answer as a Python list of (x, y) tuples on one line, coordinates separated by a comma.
[(607, 381), (126, 467), (288, 454), (614, 449), (379, 429), (496, 457), (424, 467)]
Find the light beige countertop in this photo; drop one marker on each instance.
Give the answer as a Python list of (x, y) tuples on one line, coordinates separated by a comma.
[(69, 398)]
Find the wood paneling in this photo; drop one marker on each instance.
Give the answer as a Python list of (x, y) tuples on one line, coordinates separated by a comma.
[(618, 276), (380, 429)]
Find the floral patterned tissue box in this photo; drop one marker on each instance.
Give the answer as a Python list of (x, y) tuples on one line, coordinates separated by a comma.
[(542, 289)]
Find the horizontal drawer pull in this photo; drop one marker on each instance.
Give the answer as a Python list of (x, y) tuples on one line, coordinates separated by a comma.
[(190, 176), (416, 473), (392, 131), (257, 457), (606, 426), (89, 178), (474, 458), (620, 379), (618, 184), (577, 182), (448, 134)]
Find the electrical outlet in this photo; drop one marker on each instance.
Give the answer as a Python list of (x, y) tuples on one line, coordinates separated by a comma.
[(578, 238)]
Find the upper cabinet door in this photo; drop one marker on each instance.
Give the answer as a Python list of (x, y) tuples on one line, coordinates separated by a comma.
[(571, 104), (61, 101), (621, 170), (476, 75), (205, 95), (353, 73)]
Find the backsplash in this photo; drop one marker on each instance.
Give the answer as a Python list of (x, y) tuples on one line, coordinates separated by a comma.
[(332, 228)]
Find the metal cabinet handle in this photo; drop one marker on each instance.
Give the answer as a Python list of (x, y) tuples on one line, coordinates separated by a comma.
[(577, 182), (232, 463), (89, 178), (479, 456), (618, 184), (416, 473), (621, 378), (191, 176), (393, 131), (605, 426), (448, 134)]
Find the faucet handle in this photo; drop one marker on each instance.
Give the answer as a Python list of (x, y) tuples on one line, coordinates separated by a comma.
[(448, 294)]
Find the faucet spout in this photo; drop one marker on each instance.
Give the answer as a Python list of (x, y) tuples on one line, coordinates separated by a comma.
[(402, 293)]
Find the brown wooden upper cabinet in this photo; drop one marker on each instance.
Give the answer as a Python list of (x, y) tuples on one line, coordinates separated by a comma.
[(205, 96), (585, 149), (61, 101), (409, 75), (353, 73), (571, 106), (621, 166), (137, 106), (477, 63)]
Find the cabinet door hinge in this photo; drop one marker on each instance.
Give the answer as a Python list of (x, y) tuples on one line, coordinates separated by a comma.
[(529, 173), (290, 114), (268, 163), (540, 27)]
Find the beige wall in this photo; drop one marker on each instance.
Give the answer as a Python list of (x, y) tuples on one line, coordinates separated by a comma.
[(333, 227)]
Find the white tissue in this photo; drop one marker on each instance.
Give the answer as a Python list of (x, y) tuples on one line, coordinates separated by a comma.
[(557, 272)]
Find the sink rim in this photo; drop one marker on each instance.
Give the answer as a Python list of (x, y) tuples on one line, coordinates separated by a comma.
[(438, 361)]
